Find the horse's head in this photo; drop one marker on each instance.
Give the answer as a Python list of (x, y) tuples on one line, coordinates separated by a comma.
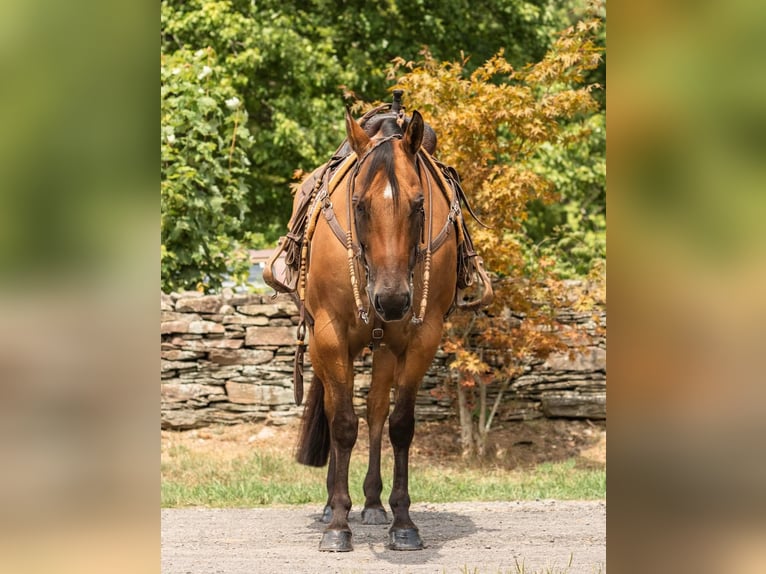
[(388, 211)]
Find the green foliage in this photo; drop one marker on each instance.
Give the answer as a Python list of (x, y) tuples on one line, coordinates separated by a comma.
[(571, 231), (368, 35), (291, 64), (205, 161), (286, 71)]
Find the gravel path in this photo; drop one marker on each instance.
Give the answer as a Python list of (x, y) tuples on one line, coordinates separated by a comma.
[(459, 537)]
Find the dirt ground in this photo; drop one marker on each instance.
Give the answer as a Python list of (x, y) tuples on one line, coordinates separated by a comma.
[(511, 444), (470, 537), (533, 537)]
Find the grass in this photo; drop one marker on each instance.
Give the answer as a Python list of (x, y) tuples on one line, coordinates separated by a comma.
[(196, 479)]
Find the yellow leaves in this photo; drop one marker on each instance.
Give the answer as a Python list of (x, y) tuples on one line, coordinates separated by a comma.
[(470, 367), (491, 123)]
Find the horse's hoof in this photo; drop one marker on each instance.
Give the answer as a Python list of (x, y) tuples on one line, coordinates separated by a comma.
[(405, 539), (374, 516), (336, 541), (326, 515)]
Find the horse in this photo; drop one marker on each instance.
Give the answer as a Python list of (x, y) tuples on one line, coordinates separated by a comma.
[(381, 273)]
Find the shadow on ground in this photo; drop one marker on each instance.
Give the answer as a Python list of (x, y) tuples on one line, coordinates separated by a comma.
[(437, 528)]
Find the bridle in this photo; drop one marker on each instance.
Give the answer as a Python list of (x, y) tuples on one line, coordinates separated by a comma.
[(322, 205), (363, 312)]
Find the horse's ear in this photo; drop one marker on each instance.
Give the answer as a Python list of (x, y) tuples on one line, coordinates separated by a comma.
[(413, 137), (357, 137)]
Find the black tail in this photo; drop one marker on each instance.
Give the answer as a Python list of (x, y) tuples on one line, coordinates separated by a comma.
[(314, 440)]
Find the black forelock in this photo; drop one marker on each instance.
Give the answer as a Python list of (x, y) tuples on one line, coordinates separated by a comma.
[(382, 158)]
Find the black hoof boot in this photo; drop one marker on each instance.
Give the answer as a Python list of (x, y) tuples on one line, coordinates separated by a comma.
[(336, 541), (326, 515), (374, 516), (404, 539)]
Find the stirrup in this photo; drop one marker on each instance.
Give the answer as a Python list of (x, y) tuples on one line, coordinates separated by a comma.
[(485, 292), (277, 274)]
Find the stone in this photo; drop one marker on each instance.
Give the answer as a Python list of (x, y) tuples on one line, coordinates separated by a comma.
[(197, 377), (185, 295), (278, 309), (242, 299), (180, 392), (261, 320), (186, 419), (244, 407), (240, 356), (220, 372), (259, 336), (179, 365), (205, 327), (176, 355), (204, 345), (181, 326), (226, 417), (166, 302), (593, 359), (242, 393), (572, 404), (246, 393), (166, 316)]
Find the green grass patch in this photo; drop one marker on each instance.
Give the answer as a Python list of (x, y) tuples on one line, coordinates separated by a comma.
[(194, 479)]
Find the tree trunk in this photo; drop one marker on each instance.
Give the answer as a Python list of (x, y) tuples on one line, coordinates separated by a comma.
[(466, 419), (482, 427)]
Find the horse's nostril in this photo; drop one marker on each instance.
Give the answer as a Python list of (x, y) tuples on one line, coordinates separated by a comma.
[(392, 306)]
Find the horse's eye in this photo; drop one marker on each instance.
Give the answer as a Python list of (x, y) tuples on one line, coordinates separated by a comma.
[(417, 206)]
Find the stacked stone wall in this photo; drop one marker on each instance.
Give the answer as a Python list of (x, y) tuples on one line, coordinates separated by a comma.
[(228, 358)]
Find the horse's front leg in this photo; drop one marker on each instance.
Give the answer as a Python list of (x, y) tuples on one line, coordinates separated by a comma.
[(378, 403), (344, 426), (327, 512), (403, 534)]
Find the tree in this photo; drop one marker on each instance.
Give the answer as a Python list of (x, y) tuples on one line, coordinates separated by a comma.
[(291, 64), (205, 161), (287, 75), (497, 125)]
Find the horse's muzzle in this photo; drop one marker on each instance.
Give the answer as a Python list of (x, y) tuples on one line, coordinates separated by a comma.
[(392, 306)]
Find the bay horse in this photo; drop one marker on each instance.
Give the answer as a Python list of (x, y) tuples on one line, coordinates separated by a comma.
[(382, 272)]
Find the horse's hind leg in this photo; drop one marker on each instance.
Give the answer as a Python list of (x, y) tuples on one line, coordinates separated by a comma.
[(378, 402)]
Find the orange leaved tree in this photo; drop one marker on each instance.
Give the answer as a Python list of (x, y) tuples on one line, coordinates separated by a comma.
[(491, 124)]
